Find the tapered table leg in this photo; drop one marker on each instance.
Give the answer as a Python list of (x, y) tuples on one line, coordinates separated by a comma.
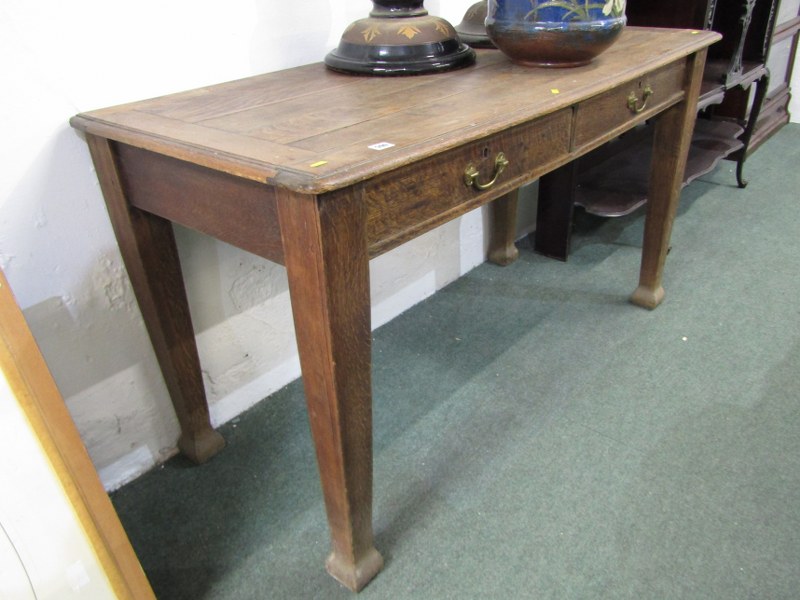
[(502, 249), (554, 211), (673, 134), (147, 245), (326, 259)]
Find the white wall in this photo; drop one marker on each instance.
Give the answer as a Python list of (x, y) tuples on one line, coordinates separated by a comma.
[(56, 245)]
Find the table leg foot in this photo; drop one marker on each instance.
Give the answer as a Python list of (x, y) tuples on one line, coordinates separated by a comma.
[(648, 297), (504, 256), (502, 250), (201, 446), (354, 575)]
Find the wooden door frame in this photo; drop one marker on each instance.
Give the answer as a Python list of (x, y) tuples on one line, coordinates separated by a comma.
[(44, 408)]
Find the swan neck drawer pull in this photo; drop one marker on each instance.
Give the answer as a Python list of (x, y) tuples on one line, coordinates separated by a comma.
[(633, 101), (471, 173)]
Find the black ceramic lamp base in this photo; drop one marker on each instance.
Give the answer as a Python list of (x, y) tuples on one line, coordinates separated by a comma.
[(399, 38)]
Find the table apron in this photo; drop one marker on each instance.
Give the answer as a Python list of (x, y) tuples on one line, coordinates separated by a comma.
[(404, 203), (235, 210)]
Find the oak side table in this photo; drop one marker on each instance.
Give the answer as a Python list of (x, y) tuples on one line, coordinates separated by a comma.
[(320, 171)]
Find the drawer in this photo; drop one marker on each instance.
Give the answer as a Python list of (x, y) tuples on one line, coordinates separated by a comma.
[(422, 195), (605, 116)]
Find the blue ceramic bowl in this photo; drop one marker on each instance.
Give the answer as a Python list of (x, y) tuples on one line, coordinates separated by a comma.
[(553, 33)]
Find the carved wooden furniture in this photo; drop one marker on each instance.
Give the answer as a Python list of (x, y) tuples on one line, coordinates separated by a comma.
[(738, 62), (613, 181), (780, 62), (320, 171)]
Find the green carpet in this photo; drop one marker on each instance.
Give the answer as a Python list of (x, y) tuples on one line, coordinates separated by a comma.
[(537, 436)]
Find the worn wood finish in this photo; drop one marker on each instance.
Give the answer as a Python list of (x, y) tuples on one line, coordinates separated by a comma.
[(344, 168), (247, 134), (147, 245), (666, 179), (326, 258)]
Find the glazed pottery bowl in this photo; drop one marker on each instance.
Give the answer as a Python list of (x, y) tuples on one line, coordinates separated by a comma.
[(554, 33)]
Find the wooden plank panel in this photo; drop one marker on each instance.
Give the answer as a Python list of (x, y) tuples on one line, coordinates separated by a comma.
[(219, 100), (309, 115), (236, 154)]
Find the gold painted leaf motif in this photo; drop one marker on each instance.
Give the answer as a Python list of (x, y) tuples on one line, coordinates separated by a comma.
[(371, 32), (409, 31), (442, 28)]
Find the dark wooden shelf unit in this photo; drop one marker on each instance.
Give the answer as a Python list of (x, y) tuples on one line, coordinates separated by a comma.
[(612, 181), (616, 183), (780, 62), (735, 65)]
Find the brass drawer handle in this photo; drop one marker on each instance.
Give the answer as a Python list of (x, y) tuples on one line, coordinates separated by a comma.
[(633, 100), (471, 173)]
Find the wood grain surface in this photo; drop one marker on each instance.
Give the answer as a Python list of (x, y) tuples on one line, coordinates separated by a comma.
[(310, 129)]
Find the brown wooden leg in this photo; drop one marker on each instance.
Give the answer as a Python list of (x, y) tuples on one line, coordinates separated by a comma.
[(673, 134), (326, 258), (554, 209), (148, 249), (502, 250)]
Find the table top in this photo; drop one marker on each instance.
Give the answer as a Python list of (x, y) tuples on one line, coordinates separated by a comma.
[(313, 130)]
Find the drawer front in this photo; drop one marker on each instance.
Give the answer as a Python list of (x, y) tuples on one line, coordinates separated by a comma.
[(605, 116), (417, 197)]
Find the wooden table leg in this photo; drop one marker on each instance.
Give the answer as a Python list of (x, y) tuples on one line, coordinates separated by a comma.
[(148, 249), (328, 266), (554, 210), (502, 250), (673, 134)]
